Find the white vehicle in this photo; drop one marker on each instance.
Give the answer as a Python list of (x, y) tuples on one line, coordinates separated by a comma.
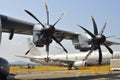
[(115, 64)]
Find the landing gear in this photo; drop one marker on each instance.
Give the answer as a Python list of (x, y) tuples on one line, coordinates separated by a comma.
[(76, 68), (70, 66)]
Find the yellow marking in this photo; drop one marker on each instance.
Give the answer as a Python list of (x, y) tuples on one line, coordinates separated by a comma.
[(54, 69)]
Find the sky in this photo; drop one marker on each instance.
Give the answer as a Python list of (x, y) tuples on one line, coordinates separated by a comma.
[(76, 12)]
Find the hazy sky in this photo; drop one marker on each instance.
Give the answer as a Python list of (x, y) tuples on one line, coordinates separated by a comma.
[(77, 12)]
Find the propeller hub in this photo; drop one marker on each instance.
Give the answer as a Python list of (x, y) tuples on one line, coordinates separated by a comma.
[(49, 30), (103, 38), (47, 27), (98, 40)]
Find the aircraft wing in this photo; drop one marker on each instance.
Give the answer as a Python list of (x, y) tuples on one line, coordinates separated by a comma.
[(54, 60), (62, 34), (63, 61), (26, 57), (19, 26), (23, 27)]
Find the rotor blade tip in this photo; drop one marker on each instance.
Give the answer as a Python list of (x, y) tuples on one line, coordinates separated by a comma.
[(81, 26), (91, 16), (78, 25), (45, 3), (64, 13), (66, 51), (105, 22), (25, 10)]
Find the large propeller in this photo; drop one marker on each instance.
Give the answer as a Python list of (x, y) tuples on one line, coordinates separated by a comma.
[(48, 30), (96, 40)]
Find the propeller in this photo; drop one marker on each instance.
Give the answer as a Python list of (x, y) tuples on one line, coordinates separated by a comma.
[(96, 40), (48, 30)]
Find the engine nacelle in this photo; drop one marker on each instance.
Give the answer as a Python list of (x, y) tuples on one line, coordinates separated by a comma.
[(81, 42), (79, 64), (38, 38)]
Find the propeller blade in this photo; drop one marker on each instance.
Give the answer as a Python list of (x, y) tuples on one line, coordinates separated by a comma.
[(47, 50), (91, 34), (101, 32), (100, 55), (59, 19), (95, 26), (34, 17), (91, 50), (47, 12), (0, 30), (109, 49), (59, 43), (47, 47), (117, 38), (27, 52), (110, 36)]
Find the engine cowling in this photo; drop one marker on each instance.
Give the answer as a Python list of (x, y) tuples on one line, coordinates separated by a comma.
[(81, 42), (79, 64), (39, 37)]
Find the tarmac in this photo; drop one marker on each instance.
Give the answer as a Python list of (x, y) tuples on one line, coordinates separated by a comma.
[(66, 75)]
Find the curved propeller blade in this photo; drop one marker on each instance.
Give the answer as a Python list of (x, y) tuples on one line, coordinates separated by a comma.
[(95, 26), (102, 30), (47, 50), (0, 30), (91, 50), (59, 19), (59, 43), (34, 17), (47, 12), (91, 34), (47, 47), (109, 49), (100, 55)]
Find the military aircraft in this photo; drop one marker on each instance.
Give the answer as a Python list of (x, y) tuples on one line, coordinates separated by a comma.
[(72, 60), (44, 34)]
